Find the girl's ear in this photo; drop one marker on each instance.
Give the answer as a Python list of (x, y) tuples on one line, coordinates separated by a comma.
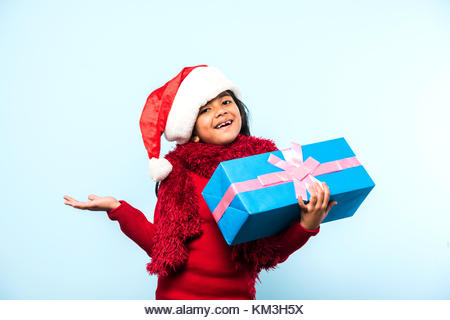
[(195, 139)]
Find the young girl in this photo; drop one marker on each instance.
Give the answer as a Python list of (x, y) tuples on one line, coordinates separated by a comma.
[(201, 110)]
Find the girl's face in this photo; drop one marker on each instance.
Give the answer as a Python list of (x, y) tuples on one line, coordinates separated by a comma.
[(218, 122)]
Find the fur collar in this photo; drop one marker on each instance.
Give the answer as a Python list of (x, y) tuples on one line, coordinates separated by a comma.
[(178, 217)]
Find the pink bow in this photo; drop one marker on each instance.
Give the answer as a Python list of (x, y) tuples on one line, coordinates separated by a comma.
[(295, 170)]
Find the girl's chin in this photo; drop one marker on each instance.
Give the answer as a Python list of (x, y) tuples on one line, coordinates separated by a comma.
[(223, 137)]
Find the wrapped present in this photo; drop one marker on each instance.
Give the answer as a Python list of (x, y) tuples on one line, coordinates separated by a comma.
[(256, 196)]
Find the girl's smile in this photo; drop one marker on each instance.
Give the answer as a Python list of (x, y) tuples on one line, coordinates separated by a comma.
[(224, 124), (218, 122)]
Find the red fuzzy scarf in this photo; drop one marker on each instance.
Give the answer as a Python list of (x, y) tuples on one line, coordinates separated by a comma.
[(179, 221)]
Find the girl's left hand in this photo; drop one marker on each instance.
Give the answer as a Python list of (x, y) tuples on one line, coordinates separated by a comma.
[(318, 207)]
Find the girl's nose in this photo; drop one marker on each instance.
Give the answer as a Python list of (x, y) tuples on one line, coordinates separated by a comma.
[(220, 112)]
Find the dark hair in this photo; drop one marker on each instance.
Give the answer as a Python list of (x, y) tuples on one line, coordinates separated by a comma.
[(245, 128), (243, 110)]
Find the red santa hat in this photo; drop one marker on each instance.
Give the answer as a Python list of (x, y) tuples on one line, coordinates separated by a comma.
[(173, 110)]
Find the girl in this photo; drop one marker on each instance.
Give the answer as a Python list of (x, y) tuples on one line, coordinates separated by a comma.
[(201, 110)]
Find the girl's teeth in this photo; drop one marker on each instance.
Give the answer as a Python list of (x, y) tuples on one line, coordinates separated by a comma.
[(224, 124)]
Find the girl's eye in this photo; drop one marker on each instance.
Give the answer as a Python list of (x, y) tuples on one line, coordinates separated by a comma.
[(204, 110), (224, 102)]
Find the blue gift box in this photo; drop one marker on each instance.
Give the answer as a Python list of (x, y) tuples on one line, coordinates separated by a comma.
[(268, 210)]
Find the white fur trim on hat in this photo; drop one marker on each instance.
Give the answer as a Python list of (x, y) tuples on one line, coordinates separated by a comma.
[(159, 169), (200, 86)]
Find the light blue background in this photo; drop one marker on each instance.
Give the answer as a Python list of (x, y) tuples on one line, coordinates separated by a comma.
[(74, 77)]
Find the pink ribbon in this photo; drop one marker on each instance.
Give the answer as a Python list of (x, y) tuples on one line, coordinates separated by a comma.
[(294, 170)]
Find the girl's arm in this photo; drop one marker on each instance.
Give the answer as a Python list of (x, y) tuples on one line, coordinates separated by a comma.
[(132, 221), (293, 238), (311, 215), (135, 225)]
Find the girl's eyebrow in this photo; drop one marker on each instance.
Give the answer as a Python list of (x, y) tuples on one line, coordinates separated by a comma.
[(223, 94)]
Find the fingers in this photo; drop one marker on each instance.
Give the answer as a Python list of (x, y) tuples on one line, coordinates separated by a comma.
[(313, 194), (326, 196), (320, 196), (80, 205), (317, 197), (83, 205), (319, 205), (93, 197), (326, 205), (71, 202), (331, 205), (69, 198), (302, 204)]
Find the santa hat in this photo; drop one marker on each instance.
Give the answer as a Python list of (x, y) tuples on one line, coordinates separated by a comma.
[(173, 109)]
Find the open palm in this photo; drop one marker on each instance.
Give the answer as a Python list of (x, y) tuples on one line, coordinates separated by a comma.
[(96, 203)]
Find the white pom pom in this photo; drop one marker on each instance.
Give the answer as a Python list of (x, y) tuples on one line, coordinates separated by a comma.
[(159, 169)]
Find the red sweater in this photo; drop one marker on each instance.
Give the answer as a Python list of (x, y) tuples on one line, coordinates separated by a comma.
[(209, 272)]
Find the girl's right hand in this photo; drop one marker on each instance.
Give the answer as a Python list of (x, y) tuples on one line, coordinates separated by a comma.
[(96, 204), (313, 213)]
